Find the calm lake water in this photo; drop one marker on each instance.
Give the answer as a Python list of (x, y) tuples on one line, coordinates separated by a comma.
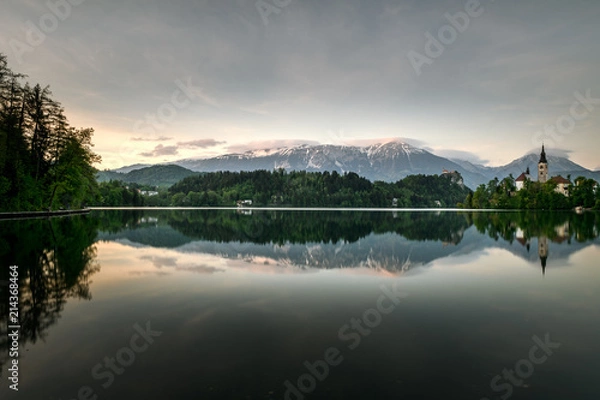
[(246, 304)]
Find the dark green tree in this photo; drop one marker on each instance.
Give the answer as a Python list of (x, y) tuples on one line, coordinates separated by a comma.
[(44, 163)]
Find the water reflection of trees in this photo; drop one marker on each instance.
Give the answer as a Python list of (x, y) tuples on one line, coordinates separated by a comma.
[(299, 227), (318, 238), (556, 226), (56, 259)]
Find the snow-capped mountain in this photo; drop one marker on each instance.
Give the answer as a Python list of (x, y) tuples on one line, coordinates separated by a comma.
[(387, 162)]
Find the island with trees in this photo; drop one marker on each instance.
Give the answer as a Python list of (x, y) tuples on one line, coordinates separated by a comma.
[(503, 194)]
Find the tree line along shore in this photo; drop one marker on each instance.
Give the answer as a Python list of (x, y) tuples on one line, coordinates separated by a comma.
[(330, 189)]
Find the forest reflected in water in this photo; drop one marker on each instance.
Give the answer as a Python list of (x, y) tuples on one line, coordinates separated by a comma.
[(57, 258), (394, 241)]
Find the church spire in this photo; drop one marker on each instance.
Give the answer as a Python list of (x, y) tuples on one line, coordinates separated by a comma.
[(543, 167), (544, 262), (543, 156)]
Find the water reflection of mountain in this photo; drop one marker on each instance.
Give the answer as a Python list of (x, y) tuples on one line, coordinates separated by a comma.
[(55, 260), (383, 241)]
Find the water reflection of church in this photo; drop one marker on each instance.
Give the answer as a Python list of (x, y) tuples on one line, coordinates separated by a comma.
[(561, 234)]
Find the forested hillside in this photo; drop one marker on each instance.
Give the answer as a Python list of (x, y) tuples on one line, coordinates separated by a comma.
[(44, 162), (155, 175), (314, 189)]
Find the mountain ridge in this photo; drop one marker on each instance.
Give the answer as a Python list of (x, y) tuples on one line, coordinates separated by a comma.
[(390, 162)]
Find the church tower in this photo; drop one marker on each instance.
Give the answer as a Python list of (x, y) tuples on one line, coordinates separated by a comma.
[(543, 252), (543, 167)]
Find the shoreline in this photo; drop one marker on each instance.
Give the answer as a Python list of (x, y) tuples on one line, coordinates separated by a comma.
[(41, 214), (269, 208)]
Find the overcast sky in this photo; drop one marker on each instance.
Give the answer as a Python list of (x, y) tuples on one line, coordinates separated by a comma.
[(166, 80)]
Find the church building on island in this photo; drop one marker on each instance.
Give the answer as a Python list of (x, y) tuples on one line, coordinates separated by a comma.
[(562, 184)]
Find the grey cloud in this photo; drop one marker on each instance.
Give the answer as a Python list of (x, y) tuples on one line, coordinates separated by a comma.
[(200, 269), (462, 155), (151, 139), (161, 150), (200, 144), (173, 150), (160, 262), (553, 151), (172, 262), (145, 273), (367, 142)]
